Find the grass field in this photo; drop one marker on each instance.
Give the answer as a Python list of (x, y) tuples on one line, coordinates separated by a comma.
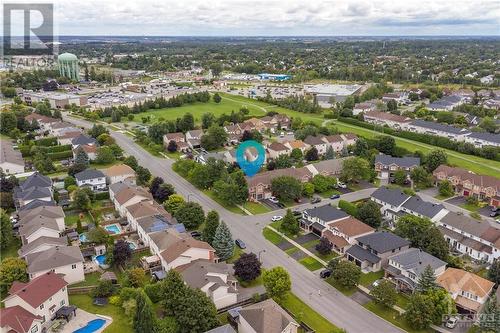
[(392, 316), (256, 208), (233, 209), (91, 279), (302, 312), (311, 264), (272, 236)]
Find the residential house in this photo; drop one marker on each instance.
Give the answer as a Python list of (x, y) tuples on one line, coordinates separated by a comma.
[(204, 157), (259, 186), (53, 212), (66, 260), (83, 139), (124, 195), (297, 144), (33, 193), (398, 97), (468, 290), (395, 203), (318, 143), (234, 132), (479, 240), (193, 138), (446, 103), (39, 227), (316, 219), (442, 130), (406, 267), (385, 118), (175, 249), (120, 173), (65, 138), (372, 252), (253, 124), (42, 297), (386, 165), (342, 233), (466, 183), (42, 243), (90, 150), (480, 139), (266, 317), (329, 168), (16, 319), (36, 203), (11, 160), (178, 138), (43, 122), (363, 108), (155, 223), (143, 209), (216, 280), (60, 127), (276, 149), (92, 178)]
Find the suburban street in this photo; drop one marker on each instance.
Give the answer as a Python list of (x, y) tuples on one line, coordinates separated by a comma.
[(323, 298)]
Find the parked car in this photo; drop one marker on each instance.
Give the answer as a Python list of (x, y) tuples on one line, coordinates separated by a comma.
[(195, 234), (451, 322), (325, 273), (241, 244), (274, 200), (335, 196), (494, 214), (341, 185), (280, 205), (494, 209), (276, 218), (377, 282), (297, 213), (315, 200)]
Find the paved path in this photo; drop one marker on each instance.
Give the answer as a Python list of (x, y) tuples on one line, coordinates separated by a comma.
[(333, 305)]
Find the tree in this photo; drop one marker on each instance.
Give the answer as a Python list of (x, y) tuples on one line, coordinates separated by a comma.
[(420, 176), (211, 224), (199, 176), (323, 183), (81, 200), (435, 159), (186, 123), (163, 192), (104, 288), (98, 235), (8, 122), (419, 312), (494, 272), (488, 124), (216, 68), (354, 169), (190, 214), (217, 99), (277, 283), (5, 231), (312, 154), (283, 162), (207, 120), (289, 224), (384, 293), (427, 280), (116, 116), (121, 252), (247, 267), (68, 181), (173, 203), (173, 290), (214, 138), (135, 277), (442, 302), (196, 312), (308, 189), (131, 161), (105, 155), (386, 144), (97, 130), (489, 321), (223, 242), (330, 153), (143, 175), (435, 244), (369, 213), (392, 105), (400, 177), (144, 318), (445, 188), (286, 188), (361, 147), (155, 185), (12, 269), (172, 146), (324, 246), (347, 273)]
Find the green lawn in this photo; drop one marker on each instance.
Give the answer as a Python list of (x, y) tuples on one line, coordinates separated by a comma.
[(256, 208), (442, 197), (392, 316), (236, 255), (11, 250), (302, 312), (198, 109), (233, 209), (329, 193), (253, 283), (71, 220), (368, 278), (91, 279), (346, 291), (470, 207), (402, 300), (311, 264), (153, 149), (121, 323), (272, 236)]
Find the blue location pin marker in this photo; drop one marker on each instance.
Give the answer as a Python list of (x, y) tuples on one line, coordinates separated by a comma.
[(250, 168)]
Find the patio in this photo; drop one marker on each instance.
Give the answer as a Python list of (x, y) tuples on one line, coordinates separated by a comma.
[(80, 320)]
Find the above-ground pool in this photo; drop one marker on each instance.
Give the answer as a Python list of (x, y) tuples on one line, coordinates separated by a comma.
[(113, 229), (132, 245), (91, 326), (83, 238), (101, 259)]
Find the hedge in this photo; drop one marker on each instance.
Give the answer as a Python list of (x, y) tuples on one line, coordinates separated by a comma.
[(60, 155), (25, 150), (348, 207), (102, 196), (433, 140), (46, 142), (56, 149)]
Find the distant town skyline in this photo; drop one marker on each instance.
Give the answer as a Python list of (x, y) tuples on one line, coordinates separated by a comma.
[(277, 18)]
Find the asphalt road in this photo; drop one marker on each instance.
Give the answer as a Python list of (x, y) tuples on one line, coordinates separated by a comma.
[(323, 298)]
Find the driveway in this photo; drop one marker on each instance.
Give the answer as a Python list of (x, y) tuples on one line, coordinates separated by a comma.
[(333, 306), (306, 238), (457, 201), (360, 298)]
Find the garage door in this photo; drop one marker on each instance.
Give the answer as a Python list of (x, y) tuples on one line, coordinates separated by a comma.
[(384, 175)]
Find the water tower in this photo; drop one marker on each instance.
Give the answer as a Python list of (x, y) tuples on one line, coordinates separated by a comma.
[(68, 66)]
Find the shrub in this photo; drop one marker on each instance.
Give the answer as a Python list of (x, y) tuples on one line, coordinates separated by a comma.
[(104, 289), (348, 207), (115, 300), (102, 196), (60, 155), (154, 292), (46, 142)]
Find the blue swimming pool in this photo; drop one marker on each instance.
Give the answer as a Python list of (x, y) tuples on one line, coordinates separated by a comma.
[(113, 229), (91, 326), (83, 238), (101, 259), (132, 246)]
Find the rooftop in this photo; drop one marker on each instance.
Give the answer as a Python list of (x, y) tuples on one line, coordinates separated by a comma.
[(383, 241), (39, 289)]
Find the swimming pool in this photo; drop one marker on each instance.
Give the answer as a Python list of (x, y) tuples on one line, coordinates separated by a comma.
[(83, 238), (132, 246), (112, 229), (91, 326), (101, 259)]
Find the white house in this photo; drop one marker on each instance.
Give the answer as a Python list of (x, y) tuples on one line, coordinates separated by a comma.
[(276, 149), (443, 130), (16, 319), (11, 160), (124, 195), (66, 260), (318, 143), (41, 226), (480, 139), (120, 172), (41, 297), (92, 178), (265, 317)]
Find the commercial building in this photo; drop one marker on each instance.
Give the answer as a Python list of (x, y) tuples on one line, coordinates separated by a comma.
[(325, 94), (56, 100)]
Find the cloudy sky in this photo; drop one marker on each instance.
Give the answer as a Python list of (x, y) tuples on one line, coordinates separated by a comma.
[(278, 17)]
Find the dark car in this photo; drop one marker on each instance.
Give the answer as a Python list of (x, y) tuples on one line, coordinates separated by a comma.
[(325, 273), (494, 209), (280, 205), (315, 200), (195, 234), (494, 214), (335, 196), (297, 213), (241, 244)]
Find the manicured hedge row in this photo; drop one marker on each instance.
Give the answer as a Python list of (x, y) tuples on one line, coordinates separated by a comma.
[(348, 207), (60, 155), (56, 149), (46, 142), (102, 196)]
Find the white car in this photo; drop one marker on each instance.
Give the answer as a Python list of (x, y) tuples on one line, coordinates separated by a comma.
[(341, 185), (451, 322), (274, 200), (276, 218)]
